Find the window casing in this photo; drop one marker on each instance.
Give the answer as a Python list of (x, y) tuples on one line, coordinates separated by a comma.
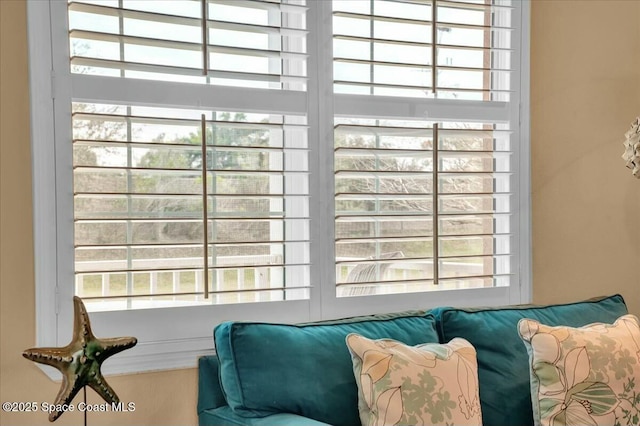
[(296, 95)]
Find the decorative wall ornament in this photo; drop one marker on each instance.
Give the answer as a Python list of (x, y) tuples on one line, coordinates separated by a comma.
[(632, 148), (80, 361)]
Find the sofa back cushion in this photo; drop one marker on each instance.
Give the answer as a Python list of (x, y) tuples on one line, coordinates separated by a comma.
[(503, 362), (304, 369)]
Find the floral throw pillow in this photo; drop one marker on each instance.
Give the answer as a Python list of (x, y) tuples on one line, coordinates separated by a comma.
[(584, 376), (429, 384)]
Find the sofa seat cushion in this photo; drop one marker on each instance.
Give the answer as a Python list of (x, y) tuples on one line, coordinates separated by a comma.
[(304, 369), (503, 373), (225, 416)]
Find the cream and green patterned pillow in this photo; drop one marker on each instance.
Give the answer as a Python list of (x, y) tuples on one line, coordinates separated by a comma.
[(584, 376), (428, 384)]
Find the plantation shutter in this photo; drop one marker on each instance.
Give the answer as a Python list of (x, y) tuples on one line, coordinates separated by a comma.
[(248, 43), (185, 200), (424, 169), (432, 48)]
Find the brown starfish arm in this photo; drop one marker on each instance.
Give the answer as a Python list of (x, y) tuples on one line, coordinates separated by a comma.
[(81, 322), (114, 345), (59, 358), (100, 385), (68, 390)]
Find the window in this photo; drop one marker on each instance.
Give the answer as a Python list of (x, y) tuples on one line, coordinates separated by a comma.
[(422, 204), (140, 185), (280, 160), (395, 181)]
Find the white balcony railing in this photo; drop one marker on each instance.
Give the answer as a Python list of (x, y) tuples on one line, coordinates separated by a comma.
[(245, 275)]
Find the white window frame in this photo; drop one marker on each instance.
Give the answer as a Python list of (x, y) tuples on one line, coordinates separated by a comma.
[(174, 337)]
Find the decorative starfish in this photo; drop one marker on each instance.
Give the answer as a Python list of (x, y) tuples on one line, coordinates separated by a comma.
[(80, 361)]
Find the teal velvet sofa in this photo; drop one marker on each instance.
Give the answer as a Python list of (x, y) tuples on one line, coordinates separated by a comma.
[(301, 375)]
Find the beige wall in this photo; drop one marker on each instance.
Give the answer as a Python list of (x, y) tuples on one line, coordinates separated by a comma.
[(167, 398), (585, 93)]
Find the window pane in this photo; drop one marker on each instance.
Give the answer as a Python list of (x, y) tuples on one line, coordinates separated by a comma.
[(248, 44), (387, 203), (459, 51), (140, 218)]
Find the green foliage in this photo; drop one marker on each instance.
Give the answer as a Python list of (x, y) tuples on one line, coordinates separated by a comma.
[(437, 403), (623, 362), (630, 405)]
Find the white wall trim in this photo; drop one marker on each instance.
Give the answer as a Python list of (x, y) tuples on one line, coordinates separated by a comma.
[(525, 250), (43, 169)]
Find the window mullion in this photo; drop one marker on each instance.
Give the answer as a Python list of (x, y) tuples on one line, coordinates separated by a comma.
[(320, 104)]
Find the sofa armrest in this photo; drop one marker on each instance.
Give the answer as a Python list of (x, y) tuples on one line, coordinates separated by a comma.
[(210, 393), (226, 416)]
